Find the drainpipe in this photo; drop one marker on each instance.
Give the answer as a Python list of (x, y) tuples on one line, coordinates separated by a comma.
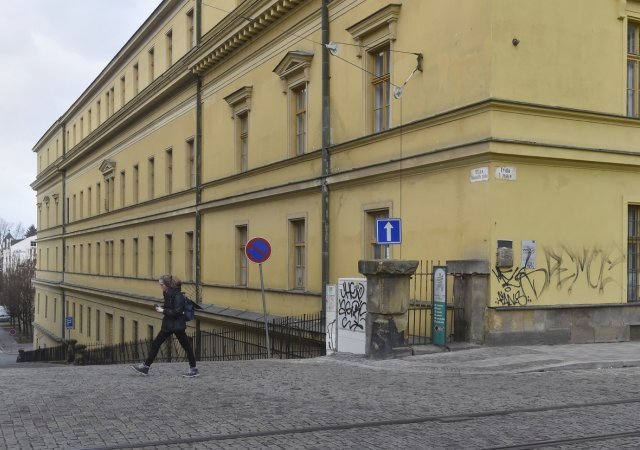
[(326, 161), (198, 168), (64, 229)]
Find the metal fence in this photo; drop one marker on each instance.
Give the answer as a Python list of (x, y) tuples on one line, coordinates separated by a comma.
[(421, 304), (290, 337)]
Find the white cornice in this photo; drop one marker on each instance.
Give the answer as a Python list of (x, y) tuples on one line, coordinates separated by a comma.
[(255, 24)]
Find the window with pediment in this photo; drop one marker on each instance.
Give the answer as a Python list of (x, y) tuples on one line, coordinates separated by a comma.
[(293, 71), (375, 36), (240, 103)]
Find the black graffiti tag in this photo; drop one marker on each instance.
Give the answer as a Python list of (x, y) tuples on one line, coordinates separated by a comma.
[(352, 307)]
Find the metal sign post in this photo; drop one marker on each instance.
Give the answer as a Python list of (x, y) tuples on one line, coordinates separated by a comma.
[(439, 311), (258, 250)]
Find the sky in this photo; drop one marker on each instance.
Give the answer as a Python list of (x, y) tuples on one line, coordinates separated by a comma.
[(50, 51)]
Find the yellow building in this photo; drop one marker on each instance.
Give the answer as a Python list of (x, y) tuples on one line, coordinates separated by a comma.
[(503, 132)]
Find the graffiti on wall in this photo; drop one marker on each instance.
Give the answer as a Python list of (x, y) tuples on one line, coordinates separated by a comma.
[(352, 304), (563, 269)]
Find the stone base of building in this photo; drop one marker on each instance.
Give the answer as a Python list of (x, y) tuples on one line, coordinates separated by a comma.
[(577, 324)]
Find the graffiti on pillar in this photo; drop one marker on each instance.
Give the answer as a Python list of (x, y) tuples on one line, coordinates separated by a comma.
[(352, 304), (563, 269)]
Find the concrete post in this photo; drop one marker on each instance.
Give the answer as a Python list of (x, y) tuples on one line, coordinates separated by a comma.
[(470, 299), (387, 305)]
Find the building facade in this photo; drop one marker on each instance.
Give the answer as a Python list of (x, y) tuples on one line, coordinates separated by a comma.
[(500, 131)]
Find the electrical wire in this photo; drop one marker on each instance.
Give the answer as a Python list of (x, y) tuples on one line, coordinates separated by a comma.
[(249, 19)]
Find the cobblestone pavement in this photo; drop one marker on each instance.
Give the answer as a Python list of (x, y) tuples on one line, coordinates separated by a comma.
[(560, 397)]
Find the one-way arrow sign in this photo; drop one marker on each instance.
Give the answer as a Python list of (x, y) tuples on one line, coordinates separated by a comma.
[(388, 231)]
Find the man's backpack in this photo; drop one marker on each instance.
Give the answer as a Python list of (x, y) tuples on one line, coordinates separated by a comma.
[(189, 311)]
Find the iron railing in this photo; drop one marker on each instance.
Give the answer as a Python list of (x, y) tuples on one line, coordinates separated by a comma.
[(290, 337)]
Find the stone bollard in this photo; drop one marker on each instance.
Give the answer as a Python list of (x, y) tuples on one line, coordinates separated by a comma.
[(388, 284)]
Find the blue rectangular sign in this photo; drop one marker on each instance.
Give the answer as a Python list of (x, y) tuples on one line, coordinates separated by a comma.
[(388, 231), (68, 321)]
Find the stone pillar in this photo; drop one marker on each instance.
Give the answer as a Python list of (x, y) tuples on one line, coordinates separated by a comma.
[(470, 299), (387, 305)]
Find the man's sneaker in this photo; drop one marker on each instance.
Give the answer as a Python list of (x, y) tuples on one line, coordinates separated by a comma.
[(141, 368), (191, 373)]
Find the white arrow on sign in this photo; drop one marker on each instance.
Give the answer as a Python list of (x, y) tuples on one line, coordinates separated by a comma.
[(388, 227)]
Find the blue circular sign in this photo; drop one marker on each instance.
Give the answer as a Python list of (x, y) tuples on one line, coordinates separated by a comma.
[(258, 250)]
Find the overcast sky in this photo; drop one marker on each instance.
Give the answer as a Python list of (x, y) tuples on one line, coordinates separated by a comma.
[(50, 51)]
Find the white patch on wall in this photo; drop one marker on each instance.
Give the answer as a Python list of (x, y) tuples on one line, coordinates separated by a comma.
[(352, 315), (506, 173), (528, 255), (479, 174), (331, 319)]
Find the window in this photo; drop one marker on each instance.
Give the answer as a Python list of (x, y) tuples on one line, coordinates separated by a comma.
[(55, 309), (122, 189), (633, 69), (122, 90), (121, 330), (89, 201), (241, 257), (46, 306), (293, 71), (81, 204), (98, 199), (136, 183), (168, 249), (300, 119), (633, 253), (243, 138), (151, 64), (151, 257), (89, 258), (240, 102), (81, 128), (98, 258), (152, 177), (98, 112), (75, 140), (81, 258), (381, 88), (135, 257), (136, 79), (89, 124), (298, 254), (107, 104), (377, 33), (88, 321), (134, 331), (169, 172), (190, 256), (169, 47), (150, 334), (122, 257), (374, 250), (112, 103), (190, 30), (97, 325), (191, 163), (80, 319)]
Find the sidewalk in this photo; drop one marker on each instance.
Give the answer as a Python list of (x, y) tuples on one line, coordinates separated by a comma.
[(8, 343), (469, 358)]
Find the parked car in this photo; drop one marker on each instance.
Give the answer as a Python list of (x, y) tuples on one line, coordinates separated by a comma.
[(4, 316)]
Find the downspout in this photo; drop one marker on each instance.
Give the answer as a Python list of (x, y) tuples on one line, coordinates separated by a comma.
[(198, 168), (64, 231), (326, 161)]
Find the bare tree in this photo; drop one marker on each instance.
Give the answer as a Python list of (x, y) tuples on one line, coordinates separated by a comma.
[(17, 292)]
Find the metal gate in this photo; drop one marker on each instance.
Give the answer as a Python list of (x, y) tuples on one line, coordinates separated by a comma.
[(421, 304)]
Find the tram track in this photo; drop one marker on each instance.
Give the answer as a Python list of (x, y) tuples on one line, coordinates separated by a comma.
[(443, 419)]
